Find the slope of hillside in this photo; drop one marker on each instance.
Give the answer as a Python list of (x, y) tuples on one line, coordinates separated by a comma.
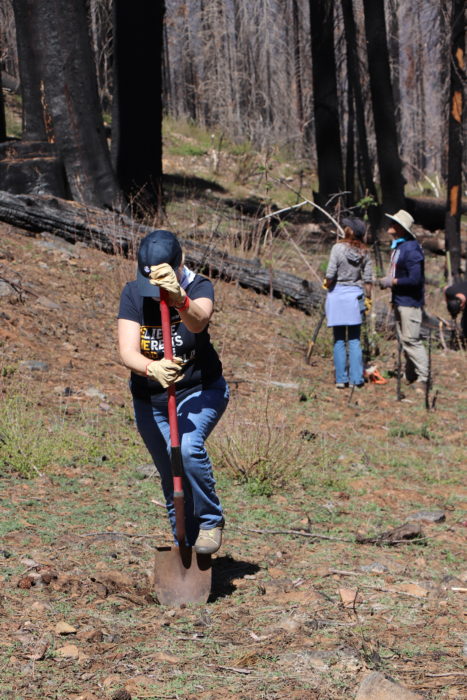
[(299, 608)]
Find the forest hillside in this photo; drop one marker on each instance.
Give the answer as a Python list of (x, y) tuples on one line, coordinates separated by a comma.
[(345, 511)]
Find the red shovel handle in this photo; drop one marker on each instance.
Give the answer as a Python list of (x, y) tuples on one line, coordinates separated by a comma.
[(176, 458), (168, 353)]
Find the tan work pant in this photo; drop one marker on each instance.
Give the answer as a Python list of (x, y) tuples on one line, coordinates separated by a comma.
[(409, 323)]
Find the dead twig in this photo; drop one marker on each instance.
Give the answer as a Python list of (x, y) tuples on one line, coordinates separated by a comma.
[(302, 533), (445, 675), (340, 230), (114, 534), (245, 671), (399, 535)]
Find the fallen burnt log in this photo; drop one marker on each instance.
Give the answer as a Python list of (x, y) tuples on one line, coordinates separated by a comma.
[(429, 212), (108, 231), (119, 234)]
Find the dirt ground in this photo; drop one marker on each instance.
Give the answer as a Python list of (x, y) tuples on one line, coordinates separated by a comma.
[(309, 595)]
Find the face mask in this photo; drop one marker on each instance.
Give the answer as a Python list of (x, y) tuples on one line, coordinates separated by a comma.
[(396, 242)]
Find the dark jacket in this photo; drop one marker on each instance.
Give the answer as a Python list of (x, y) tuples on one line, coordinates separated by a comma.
[(408, 267)]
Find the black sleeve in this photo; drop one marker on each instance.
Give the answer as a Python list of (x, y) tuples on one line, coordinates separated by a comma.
[(128, 308), (201, 288)]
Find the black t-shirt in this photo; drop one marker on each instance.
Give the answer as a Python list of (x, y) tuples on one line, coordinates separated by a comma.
[(201, 364), (456, 288)]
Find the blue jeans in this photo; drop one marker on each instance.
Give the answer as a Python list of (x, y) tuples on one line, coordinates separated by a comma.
[(197, 414), (348, 370)]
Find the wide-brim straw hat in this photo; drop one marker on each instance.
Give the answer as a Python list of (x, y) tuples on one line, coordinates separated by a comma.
[(404, 219)]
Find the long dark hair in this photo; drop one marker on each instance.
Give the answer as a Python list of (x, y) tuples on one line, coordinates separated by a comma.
[(351, 239)]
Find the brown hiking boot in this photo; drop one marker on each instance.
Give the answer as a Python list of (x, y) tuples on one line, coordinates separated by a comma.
[(209, 541)]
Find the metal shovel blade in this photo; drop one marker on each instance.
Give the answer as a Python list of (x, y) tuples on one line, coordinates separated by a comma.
[(181, 576)]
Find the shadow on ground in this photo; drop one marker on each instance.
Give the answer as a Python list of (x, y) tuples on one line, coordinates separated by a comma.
[(224, 572)]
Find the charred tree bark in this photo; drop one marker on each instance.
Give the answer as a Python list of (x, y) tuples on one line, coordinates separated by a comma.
[(63, 103), (2, 113), (355, 84), (137, 104), (297, 62), (326, 110), (389, 162), (34, 119), (456, 108)]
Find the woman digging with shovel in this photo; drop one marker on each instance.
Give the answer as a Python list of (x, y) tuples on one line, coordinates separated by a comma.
[(167, 292)]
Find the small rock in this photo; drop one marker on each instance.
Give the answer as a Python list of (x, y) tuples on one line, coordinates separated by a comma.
[(64, 628), (428, 516), (348, 597), (374, 568), (147, 470), (377, 687), (47, 303), (69, 651), (93, 393), (30, 563), (289, 624), (39, 607), (5, 289), (35, 365)]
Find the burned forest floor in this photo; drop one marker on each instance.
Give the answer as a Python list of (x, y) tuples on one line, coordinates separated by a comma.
[(314, 587)]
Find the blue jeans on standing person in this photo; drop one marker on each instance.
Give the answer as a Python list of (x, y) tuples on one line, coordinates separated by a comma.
[(197, 414), (349, 370)]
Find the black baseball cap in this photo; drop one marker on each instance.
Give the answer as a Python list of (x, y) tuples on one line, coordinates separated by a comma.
[(357, 226), (157, 247), (454, 306)]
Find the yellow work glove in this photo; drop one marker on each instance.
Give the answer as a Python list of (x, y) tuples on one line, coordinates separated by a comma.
[(164, 276), (368, 304), (165, 371), (325, 284)]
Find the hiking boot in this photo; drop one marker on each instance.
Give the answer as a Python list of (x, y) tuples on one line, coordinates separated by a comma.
[(208, 541), (341, 385)]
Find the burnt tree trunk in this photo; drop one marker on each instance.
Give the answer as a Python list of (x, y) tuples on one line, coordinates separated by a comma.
[(326, 109), (456, 108), (355, 84), (387, 143), (137, 104), (2, 112), (34, 119), (297, 63), (60, 72)]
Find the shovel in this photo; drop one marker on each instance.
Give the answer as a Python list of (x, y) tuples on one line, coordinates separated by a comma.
[(181, 575)]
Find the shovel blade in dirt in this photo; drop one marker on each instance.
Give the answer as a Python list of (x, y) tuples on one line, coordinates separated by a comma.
[(181, 576)]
